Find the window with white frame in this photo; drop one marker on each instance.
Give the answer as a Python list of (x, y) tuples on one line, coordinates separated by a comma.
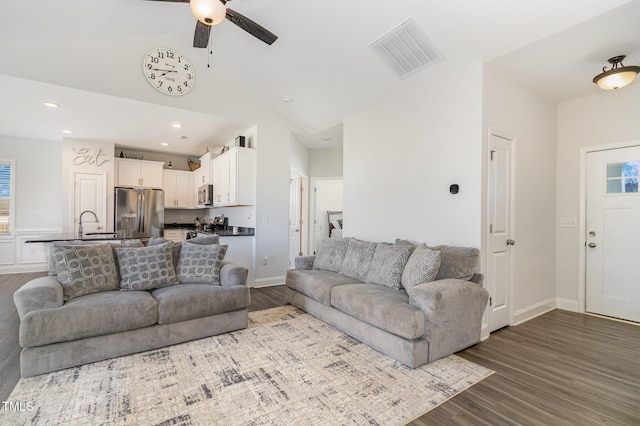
[(7, 194)]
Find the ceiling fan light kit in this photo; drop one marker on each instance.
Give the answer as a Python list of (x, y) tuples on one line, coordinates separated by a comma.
[(617, 76), (209, 12)]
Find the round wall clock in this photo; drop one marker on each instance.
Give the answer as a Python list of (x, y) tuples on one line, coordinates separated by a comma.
[(168, 71)]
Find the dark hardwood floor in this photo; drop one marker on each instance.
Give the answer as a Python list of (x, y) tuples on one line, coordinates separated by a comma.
[(561, 368)]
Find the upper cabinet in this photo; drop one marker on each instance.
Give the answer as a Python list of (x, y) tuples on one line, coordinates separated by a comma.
[(179, 192), (234, 177), (203, 174), (148, 174)]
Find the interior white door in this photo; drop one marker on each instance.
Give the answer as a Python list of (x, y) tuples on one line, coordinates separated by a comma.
[(294, 216), (613, 233), (499, 270), (90, 194)]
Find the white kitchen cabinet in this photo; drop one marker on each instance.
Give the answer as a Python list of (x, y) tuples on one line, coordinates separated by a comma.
[(177, 235), (203, 174), (148, 174), (179, 192), (234, 177)]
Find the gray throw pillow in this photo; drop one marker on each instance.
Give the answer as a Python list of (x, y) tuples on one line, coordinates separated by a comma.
[(388, 264), (205, 239), (84, 269), (200, 264), (330, 254), (422, 267), (52, 263), (175, 247), (357, 260), (457, 262), (145, 268)]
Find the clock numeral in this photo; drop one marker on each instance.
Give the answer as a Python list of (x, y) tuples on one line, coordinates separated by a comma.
[(186, 67), (152, 76), (170, 89), (186, 84), (160, 55), (180, 89), (149, 66), (155, 60), (170, 55), (160, 83), (189, 76)]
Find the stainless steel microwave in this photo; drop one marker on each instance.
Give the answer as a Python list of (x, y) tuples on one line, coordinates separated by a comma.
[(205, 195)]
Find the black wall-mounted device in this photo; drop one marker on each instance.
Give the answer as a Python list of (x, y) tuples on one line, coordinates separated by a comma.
[(454, 188)]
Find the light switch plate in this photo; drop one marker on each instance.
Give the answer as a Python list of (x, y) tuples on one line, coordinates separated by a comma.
[(568, 222)]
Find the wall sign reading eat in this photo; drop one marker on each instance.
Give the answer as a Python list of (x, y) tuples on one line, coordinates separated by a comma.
[(85, 156)]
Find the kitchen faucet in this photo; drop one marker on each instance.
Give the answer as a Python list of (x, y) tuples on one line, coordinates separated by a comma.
[(80, 221)]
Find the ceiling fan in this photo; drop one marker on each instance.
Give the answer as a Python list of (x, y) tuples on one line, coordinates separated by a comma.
[(212, 12)]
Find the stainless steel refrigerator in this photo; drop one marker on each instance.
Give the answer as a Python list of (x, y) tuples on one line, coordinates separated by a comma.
[(139, 212)]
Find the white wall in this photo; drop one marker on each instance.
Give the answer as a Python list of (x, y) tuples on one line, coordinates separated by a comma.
[(298, 156), (531, 119), (606, 118), (326, 162), (38, 200), (401, 156)]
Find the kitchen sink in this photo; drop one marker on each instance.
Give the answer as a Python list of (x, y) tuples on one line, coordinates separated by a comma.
[(100, 233)]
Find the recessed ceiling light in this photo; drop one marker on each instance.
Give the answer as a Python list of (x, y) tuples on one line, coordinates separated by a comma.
[(51, 104), (176, 125), (287, 100), (68, 132), (164, 144)]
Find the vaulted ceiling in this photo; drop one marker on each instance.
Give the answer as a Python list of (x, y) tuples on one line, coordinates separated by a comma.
[(87, 56)]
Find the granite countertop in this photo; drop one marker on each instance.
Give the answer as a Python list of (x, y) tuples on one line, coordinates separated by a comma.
[(74, 237), (231, 231)]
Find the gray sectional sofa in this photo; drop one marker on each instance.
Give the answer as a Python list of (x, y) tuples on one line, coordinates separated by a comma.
[(65, 322), (413, 303)]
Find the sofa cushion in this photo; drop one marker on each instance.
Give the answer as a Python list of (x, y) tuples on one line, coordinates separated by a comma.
[(85, 269), (330, 254), (382, 307), (422, 267), (188, 301), (357, 260), (145, 268), (457, 262), (90, 315), (315, 283), (388, 263), (200, 263)]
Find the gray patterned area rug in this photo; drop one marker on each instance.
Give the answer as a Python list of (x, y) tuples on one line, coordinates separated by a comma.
[(286, 368)]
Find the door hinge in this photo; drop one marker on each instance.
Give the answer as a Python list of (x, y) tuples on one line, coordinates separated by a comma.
[(492, 152), (490, 301), (491, 228)]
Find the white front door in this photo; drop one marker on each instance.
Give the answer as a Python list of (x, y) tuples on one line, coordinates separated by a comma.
[(90, 193), (499, 266), (613, 233)]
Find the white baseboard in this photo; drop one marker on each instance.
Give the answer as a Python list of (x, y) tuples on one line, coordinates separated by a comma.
[(484, 332), (533, 311), (24, 268), (567, 304), (269, 282)]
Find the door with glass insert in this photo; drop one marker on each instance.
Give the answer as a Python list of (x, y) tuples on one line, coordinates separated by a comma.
[(613, 233)]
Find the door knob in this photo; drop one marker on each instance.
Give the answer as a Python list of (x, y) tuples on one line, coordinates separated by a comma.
[(510, 242), (592, 245)]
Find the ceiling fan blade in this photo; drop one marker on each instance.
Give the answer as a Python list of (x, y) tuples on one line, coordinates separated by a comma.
[(251, 27), (201, 35)]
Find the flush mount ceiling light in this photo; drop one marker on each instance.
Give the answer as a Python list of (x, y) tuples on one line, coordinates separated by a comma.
[(617, 76), (51, 104), (176, 125), (209, 12)]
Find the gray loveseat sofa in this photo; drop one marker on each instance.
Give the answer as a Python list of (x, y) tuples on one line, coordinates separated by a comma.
[(413, 303), (60, 329)]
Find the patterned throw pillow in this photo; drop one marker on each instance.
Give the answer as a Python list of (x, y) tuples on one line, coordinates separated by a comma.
[(145, 268), (200, 264), (422, 267), (84, 269), (330, 254), (388, 264), (175, 247), (205, 239), (358, 259)]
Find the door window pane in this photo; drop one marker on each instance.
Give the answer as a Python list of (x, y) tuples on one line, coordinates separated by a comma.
[(622, 177)]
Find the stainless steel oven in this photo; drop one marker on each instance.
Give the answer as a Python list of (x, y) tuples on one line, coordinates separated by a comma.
[(205, 195)]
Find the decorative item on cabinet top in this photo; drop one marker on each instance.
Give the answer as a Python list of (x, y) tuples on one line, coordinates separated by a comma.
[(193, 165)]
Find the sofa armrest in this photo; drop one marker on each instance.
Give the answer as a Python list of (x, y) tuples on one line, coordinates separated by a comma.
[(233, 274), (305, 262), (39, 293), (453, 312)]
